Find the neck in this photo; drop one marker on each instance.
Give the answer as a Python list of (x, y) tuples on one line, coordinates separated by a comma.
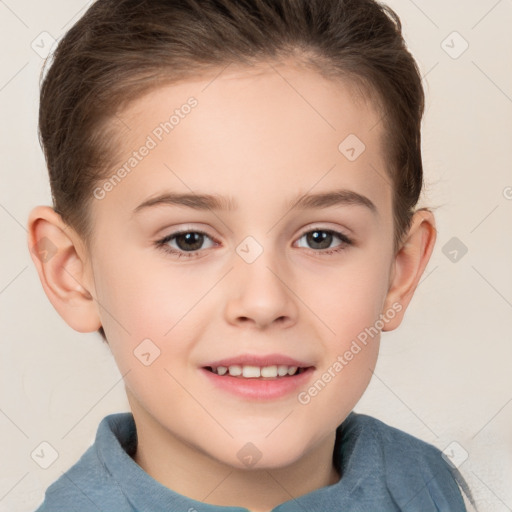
[(190, 472)]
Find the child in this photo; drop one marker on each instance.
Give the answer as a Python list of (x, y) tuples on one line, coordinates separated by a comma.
[(280, 141)]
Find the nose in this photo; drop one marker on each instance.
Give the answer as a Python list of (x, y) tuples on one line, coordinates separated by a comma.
[(261, 294)]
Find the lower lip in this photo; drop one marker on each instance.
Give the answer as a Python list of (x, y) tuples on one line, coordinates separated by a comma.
[(258, 388)]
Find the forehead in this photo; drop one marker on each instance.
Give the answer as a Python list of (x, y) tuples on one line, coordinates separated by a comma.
[(254, 132), (268, 91)]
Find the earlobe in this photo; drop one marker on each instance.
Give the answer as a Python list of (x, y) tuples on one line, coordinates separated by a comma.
[(60, 263), (409, 264)]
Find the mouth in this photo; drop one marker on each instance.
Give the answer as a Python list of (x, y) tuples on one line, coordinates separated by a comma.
[(260, 384), (259, 377)]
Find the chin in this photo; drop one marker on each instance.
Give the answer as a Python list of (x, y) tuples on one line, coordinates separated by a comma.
[(259, 454)]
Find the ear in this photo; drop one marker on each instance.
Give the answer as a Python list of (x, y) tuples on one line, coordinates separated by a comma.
[(60, 260), (408, 265)]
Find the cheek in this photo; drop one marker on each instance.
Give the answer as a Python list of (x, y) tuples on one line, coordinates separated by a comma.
[(146, 313), (348, 298), (351, 309), (139, 301), (141, 295)]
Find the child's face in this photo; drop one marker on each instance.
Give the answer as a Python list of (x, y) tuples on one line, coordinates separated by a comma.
[(261, 138)]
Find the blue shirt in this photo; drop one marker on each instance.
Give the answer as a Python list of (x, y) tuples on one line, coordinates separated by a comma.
[(382, 470)]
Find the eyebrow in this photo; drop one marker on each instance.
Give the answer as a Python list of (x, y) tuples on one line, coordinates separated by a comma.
[(319, 200)]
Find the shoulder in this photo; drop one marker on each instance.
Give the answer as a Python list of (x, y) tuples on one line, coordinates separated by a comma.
[(88, 485), (397, 445), (410, 463)]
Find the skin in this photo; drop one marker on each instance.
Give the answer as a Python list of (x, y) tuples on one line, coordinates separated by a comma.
[(254, 138)]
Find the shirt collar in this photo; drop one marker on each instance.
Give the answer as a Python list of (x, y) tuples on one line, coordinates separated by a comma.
[(116, 442)]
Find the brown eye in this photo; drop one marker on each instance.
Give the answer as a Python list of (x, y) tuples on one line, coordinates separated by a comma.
[(187, 243), (321, 240), (190, 241)]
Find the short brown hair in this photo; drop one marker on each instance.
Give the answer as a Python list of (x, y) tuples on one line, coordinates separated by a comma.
[(121, 49)]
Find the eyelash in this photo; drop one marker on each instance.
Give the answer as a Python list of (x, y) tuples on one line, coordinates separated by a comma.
[(162, 244)]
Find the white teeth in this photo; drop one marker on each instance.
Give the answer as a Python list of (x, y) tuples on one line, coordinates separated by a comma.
[(282, 370), (292, 370), (235, 370), (221, 370), (251, 372), (269, 371)]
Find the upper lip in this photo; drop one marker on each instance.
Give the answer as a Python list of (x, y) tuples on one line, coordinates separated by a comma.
[(259, 360)]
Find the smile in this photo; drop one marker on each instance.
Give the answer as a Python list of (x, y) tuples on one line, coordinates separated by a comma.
[(250, 383)]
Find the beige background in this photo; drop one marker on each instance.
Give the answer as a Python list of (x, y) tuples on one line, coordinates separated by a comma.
[(444, 376)]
